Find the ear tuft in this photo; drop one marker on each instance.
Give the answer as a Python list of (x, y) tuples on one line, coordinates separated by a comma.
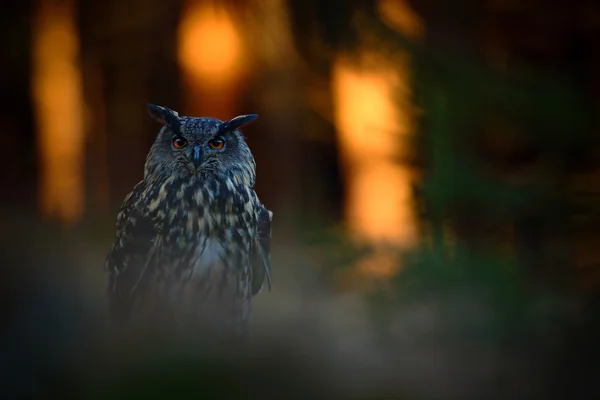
[(164, 116), (237, 122)]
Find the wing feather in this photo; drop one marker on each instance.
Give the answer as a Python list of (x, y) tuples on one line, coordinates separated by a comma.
[(261, 261), (131, 253)]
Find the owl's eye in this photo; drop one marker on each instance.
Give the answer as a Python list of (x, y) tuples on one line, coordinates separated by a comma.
[(217, 143), (179, 142)]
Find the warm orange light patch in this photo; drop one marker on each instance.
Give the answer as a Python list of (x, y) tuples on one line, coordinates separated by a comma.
[(372, 124), (379, 203), (58, 104), (210, 48), (399, 15)]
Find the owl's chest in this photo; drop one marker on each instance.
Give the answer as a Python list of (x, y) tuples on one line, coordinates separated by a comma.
[(212, 255), (208, 230), (208, 278), (208, 269), (208, 259), (193, 217), (221, 216)]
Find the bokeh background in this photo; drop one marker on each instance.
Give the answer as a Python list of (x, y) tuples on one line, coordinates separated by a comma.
[(432, 167)]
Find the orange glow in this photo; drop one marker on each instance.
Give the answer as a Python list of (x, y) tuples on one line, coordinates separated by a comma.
[(378, 203), (399, 15), (210, 48), (372, 122), (58, 105)]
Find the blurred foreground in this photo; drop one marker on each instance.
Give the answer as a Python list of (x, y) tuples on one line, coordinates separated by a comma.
[(452, 333)]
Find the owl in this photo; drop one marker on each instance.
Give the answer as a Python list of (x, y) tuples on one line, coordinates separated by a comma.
[(192, 243)]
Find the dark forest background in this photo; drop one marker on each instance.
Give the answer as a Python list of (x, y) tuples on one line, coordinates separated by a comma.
[(482, 283)]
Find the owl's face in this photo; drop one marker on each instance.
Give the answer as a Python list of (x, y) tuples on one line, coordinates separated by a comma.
[(208, 147)]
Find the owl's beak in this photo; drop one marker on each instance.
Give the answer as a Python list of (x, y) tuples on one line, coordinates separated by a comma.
[(197, 155)]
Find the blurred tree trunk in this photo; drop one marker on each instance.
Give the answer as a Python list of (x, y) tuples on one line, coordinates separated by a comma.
[(129, 60), (297, 173), (295, 146)]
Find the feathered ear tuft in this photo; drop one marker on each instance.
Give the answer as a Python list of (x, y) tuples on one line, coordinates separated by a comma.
[(164, 116), (237, 122)]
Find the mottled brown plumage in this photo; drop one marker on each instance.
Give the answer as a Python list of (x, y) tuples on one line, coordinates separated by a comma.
[(192, 239)]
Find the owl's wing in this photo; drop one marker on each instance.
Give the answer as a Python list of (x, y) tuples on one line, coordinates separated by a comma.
[(132, 252), (261, 261)]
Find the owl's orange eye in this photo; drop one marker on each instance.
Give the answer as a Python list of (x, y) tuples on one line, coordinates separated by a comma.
[(217, 143), (179, 142)]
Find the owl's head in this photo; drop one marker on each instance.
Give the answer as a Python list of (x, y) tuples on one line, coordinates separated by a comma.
[(189, 146)]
